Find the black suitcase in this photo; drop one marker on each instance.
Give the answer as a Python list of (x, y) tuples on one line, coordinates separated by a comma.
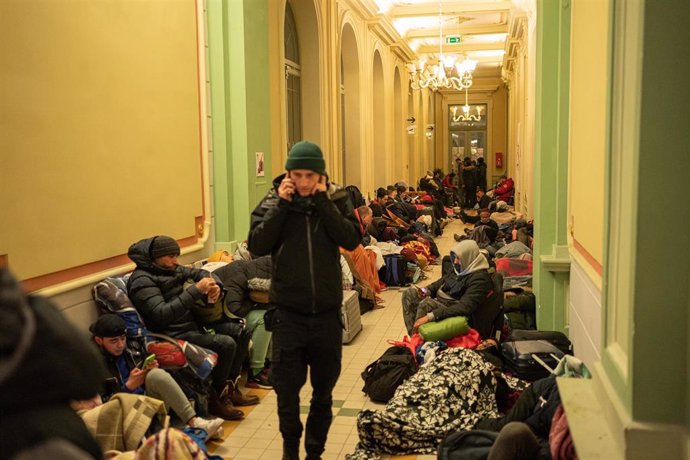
[(522, 358), (556, 338)]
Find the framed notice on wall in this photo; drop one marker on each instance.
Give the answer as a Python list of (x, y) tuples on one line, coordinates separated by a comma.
[(260, 164)]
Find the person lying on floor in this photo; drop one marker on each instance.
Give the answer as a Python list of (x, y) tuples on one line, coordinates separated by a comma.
[(127, 376), (463, 291), (237, 276), (504, 215)]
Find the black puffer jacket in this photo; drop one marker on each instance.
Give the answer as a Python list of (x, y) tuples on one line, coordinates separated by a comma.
[(159, 293), (303, 237), (236, 275)]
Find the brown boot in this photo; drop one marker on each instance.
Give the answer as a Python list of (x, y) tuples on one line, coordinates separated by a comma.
[(221, 406), (238, 399)]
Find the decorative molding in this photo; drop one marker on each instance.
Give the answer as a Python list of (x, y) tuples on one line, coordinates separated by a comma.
[(118, 264), (558, 260)]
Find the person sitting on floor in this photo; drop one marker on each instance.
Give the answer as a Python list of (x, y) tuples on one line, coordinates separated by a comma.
[(236, 277), (483, 201), (483, 219), (157, 289), (129, 377), (44, 363), (504, 190), (463, 291)]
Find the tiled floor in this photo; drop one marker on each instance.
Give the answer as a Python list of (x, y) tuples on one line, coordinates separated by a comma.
[(257, 437)]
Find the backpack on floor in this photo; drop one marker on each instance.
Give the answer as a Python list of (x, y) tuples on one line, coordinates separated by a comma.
[(394, 272), (384, 376), (467, 445)]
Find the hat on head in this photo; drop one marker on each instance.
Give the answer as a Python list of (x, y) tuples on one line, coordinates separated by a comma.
[(164, 246), (305, 155), (108, 325)]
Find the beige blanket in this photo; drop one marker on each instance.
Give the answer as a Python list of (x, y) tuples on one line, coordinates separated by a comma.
[(122, 422)]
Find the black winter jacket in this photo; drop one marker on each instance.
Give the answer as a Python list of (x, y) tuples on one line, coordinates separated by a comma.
[(303, 237), (159, 294), (470, 291), (235, 277)]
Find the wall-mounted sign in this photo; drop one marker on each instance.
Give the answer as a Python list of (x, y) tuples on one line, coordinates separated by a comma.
[(260, 172), (453, 39), (410, 129)]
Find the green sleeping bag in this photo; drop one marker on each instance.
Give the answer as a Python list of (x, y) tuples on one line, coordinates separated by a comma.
[(444, 329)]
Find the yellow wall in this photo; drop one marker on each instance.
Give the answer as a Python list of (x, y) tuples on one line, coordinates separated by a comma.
[(588, 102), (101, 129)]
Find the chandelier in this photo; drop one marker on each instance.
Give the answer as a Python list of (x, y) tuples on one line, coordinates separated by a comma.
[(440, 76), (465, 115)]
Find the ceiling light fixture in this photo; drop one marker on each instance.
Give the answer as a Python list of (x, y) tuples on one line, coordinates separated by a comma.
[(440, 76), (465, 115)]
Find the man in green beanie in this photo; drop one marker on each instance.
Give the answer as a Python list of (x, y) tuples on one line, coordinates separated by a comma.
[(301, 222)]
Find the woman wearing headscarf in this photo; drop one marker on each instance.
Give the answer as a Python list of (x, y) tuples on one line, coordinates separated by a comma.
[(463, 291)]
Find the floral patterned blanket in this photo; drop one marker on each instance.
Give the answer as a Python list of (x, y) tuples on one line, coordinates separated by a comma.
[(453, 392)]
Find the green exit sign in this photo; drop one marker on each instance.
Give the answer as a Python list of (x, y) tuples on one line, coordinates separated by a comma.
[(453, 40)]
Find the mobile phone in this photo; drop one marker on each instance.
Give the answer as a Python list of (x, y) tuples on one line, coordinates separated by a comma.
[(423, 290), (149, 359)]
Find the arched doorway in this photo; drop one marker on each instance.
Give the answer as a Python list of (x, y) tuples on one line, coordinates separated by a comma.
[(379, 125), (398, 130), (351, 148), (411, 150), (303, 107)]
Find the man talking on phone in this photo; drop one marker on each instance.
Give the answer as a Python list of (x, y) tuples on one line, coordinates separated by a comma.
[(301, 222)]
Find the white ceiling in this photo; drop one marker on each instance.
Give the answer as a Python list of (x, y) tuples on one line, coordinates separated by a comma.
[(481, 24)]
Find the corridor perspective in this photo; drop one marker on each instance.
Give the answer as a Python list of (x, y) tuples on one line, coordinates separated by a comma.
[(123, 120)]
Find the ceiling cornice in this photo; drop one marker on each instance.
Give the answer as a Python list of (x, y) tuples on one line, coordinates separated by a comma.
[(459, 30), (429, 9), (461, 48)]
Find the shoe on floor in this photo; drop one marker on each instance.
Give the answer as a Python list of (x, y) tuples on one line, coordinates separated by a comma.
[(260, 380), (213, 426), (221, 406), (239, 399)]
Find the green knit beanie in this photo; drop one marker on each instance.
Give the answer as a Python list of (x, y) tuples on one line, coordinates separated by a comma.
[(305, 155)]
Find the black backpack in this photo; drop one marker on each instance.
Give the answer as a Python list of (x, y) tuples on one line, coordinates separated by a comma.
[(467, 445), (393, 273), (384, 376)]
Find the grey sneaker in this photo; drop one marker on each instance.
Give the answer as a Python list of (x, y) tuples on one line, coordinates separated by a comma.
[(213, 426)]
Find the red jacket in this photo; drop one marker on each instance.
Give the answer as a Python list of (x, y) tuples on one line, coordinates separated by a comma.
[(504, 190), (448, 182)]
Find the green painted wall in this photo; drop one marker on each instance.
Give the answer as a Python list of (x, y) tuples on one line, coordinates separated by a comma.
[(551, 159), (238, 73), (660, 373)]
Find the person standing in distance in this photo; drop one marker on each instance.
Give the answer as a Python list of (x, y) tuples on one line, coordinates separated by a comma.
[(301, 222)]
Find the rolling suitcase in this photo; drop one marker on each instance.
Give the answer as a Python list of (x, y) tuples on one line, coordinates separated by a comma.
[(352, 319), (555, 338), (530, 359)]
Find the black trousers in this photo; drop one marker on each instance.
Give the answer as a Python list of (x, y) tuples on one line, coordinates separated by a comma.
[(301, 341), (230, 342)]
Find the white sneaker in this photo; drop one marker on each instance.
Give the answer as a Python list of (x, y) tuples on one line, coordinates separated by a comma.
[(213, 426)]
